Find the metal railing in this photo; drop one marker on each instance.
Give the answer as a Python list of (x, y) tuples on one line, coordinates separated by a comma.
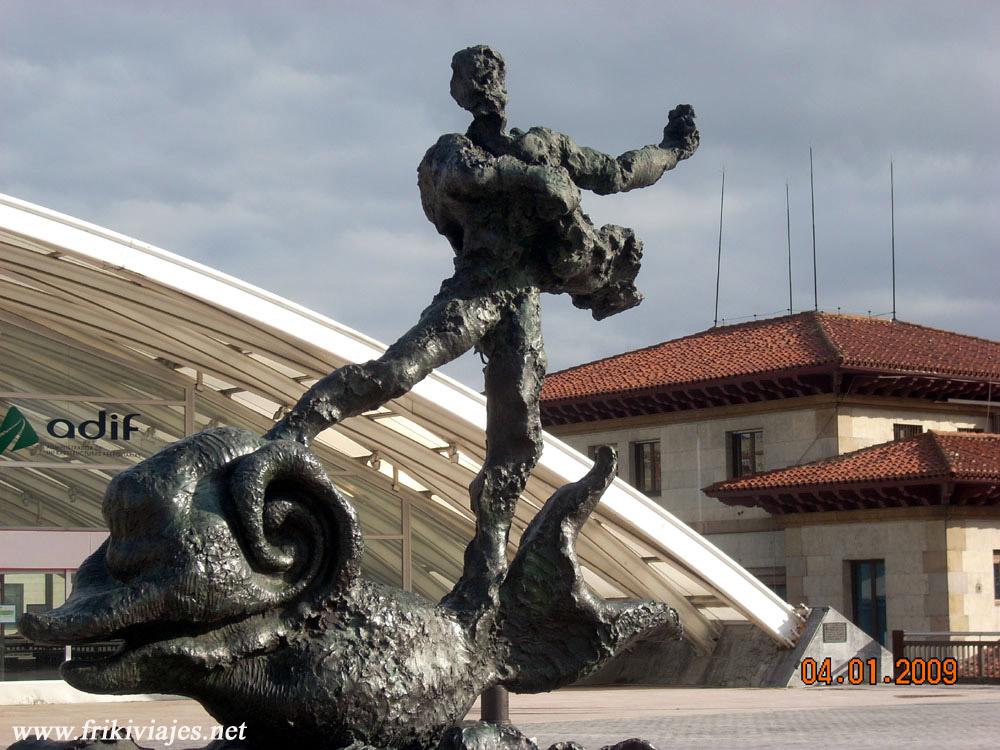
[(976, 653)]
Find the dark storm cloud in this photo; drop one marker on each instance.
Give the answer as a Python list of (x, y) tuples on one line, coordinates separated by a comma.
[(279, 143)]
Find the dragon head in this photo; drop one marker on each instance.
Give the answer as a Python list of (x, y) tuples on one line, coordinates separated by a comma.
[(211, 542)]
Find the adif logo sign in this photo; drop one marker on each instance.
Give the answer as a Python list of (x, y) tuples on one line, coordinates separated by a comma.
[(15, 432), (94, 429)]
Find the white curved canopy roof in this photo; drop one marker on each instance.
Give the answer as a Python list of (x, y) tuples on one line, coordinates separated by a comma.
[(105, 308)]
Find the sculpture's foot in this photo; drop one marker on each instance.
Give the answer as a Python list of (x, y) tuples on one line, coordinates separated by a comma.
[(482, 735), (631, 744)]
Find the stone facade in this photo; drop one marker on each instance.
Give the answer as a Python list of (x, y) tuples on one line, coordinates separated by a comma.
[(970, 544), (694, 450), (939, 568), (694, 445), (862, 425), (819, 553)]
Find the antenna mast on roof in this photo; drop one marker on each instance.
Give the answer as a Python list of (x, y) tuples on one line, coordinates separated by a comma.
[(718, 264), (892, 225), (788, 238), (812, 201)]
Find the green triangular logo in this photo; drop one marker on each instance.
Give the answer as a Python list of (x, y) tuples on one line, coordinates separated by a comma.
[(15, 432)]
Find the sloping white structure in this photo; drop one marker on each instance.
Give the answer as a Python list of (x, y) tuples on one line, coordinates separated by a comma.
[(90, 318)]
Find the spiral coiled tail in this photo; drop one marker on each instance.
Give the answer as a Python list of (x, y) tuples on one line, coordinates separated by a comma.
[(295, 525)]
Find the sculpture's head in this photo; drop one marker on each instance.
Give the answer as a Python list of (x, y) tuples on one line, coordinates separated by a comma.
[(211, 539), (479, 81)]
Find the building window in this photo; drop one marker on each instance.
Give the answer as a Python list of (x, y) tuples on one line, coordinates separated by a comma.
[(746, 453), (646, 466), (592, 454), (970, 429), (996, 574), (994, 423), (902, 431), (868, 597)]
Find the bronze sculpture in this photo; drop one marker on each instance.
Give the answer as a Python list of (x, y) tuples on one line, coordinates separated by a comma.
[(232, 571)]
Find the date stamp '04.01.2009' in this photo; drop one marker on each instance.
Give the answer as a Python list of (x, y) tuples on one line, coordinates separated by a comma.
[(866, 672)]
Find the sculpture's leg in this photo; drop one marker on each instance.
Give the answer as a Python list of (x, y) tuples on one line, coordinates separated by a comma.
[(555, 627), (448, 328), (514, 373)]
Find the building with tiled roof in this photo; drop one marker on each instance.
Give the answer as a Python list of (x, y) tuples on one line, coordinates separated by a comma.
[(795, 355), (820, 450), (927, 469)]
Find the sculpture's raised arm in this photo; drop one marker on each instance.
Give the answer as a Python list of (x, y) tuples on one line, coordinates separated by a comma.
[(603, 174)]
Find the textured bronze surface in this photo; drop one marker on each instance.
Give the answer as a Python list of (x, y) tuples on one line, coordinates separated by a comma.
[(232, 570)]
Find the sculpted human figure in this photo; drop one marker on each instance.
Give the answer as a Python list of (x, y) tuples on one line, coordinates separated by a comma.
[(232, 571), (509, 205)]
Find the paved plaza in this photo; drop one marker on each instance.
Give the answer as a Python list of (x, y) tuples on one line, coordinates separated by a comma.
[(963, 716)]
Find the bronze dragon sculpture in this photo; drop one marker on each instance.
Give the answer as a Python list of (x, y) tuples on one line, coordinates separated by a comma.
[(232, 571)]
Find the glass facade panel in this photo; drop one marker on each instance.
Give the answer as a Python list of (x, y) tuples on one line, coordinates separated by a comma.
[(380, 515), (52, 497), (383, 561), (32, 363), (22, 592), (438, 549)]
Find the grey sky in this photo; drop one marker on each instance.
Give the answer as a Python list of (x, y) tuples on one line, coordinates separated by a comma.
[(279, 142)]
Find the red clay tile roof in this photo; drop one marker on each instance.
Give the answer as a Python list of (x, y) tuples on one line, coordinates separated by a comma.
[(895, 345), (931, 455), (794, 342), (970, 456)]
